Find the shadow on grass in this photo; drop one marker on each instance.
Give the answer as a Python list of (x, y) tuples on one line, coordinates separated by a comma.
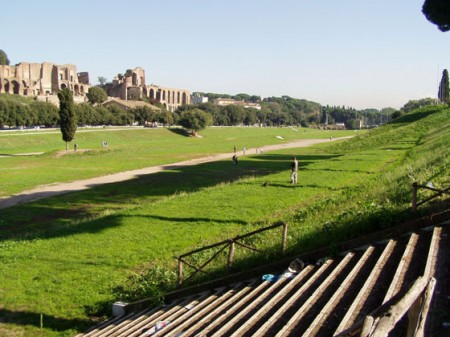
[(71, 213), (49, 322), (180, 132), (163, 218)]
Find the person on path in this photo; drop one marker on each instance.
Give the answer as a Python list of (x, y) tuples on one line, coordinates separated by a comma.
[(235, 159), (294, 170)]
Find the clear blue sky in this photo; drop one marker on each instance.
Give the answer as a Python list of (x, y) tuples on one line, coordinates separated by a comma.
[(358, 53)]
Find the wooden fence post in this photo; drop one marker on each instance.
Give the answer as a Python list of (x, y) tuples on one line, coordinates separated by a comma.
[(180, 272), (414, 196), (230, 254), (285, 229)]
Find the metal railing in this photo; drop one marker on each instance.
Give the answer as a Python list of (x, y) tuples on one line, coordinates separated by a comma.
[(231, 245), (416, 187)]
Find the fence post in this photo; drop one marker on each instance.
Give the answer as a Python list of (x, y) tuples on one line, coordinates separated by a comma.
[(414, 196), (285, 229), (180, 272), (230, 254)]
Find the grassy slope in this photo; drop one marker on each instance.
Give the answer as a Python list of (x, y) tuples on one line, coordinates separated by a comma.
[(63, 255)]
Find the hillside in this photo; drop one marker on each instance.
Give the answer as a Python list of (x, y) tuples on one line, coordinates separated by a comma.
[(69, 257)]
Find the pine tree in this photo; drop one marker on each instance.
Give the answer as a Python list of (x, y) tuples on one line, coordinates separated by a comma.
[(443, 93), (68, 119)]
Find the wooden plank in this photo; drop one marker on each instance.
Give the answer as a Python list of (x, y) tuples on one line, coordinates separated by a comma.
[(190, 311), (430, 267), (390, 318), (287, 304), (255, 302), (338, 294), (136, 330), (279, 296), (401, 269), (236, 297), (231, 311), (303, 310), (366, 289)]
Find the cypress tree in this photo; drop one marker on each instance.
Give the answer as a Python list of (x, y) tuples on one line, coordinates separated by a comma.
[(68, 119), (443, 93)]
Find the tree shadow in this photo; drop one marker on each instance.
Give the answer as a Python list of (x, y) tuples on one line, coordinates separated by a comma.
[(180, 132), (49, 322), (53, 216)]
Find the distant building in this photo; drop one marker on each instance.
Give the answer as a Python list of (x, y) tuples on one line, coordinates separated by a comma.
[(198, 99), (43, 80), (230, 101), (131, 86)]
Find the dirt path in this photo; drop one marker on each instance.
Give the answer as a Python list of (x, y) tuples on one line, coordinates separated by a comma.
[(46, 191)]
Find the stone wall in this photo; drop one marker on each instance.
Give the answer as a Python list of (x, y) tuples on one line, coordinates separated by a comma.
[(131, 86), (42, 79)]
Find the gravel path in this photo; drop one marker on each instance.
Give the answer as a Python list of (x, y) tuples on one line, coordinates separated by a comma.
[(46, 191)]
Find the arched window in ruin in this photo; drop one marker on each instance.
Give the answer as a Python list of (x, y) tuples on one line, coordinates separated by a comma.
[(164, 95), (184, 99), (63, 86), (152, 94), (7, 86), (24, 88), (77, 89), (169, 97), (178, 98), (82, 89), (145, 92), (135, 79), (16, 87)]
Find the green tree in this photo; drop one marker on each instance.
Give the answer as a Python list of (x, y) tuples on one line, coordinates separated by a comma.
[(415, 104), (101, 80), (166, 117), (144, 115), (96, 95), (195, 120), (67, 116), (443, 93), (438, 12), (3, 58), (47, 113)]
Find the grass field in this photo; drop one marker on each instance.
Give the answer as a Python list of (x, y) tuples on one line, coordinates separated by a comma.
[(65, 257), (128, 149)]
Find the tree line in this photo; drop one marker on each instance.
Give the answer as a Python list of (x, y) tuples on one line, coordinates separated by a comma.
[(17, 111), (285, 110)]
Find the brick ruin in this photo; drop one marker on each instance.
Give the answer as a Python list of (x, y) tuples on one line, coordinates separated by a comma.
[(45, 80), (131, 86)]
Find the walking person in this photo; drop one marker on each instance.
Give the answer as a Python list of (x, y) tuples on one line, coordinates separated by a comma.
[(294, 170), (235, 159)]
